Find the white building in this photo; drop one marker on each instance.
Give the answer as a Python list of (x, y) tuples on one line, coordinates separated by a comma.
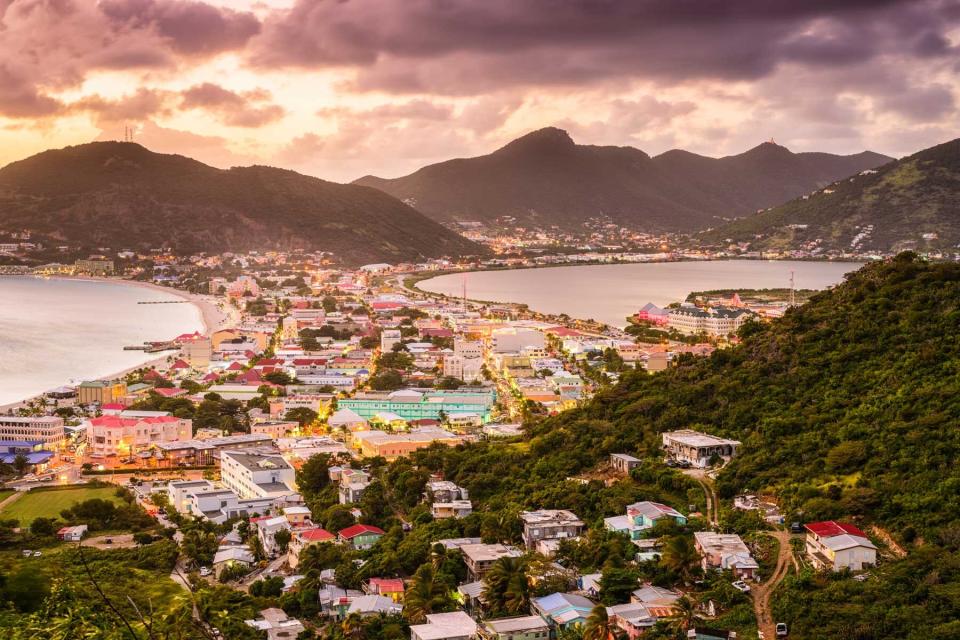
[(48, 429), (461, 368), (456, 625), (715, 321), (119, 435), (725, 551), (698, 448), (388, 338), (837, 546), (254, 475), (516, 339), (267, 530)]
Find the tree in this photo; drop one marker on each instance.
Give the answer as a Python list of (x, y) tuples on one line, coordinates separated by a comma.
[(267, 587), (386, 380), (506, 589), (427, 594), (314, 476), (21, 464), (616, 584), (43, 526), (600, 627), (303, 415), (685, 615), (199, 546), (680, 556), (337, 517), (282, 538)]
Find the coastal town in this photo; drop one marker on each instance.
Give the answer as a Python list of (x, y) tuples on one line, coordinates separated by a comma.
[(273, 435)]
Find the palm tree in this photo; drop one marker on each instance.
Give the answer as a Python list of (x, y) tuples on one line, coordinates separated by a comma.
[(571, 632), (680, 556), (685, 615), (505, 586), (353, 627), (600, 627), (427, 594)]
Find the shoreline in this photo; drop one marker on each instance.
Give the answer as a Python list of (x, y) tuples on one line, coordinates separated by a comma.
[(212, 319)]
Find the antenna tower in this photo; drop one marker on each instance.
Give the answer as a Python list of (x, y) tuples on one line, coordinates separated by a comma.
[(793, 295)]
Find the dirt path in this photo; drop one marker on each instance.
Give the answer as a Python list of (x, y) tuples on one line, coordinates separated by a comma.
[(11, 499), (706, 482), (762, 592), (117, 541)]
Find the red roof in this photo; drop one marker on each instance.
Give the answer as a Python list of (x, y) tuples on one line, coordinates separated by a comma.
[(116, 422), (180, 364), (184, 337), (113, 406), (235, 366), (386, 585), (386, 305), (316, 535), (170, 392), (270, 362), (360, 529), (210, 377), (830, 528), (153, 374)]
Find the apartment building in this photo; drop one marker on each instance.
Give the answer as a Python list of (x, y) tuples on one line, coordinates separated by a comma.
[(715, 321), (127, 435), (256, 475), (100, 392), (698, 448), (46, 429), (549, 524)]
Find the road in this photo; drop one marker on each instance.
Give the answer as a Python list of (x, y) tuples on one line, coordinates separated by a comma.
[(761, 593), (706, 482)]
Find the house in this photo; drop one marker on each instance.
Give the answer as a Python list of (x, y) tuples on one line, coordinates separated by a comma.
[(360, 536), (352, 484), (267, 529), (454, 509), (725, 551), (444, 491), (633, 618), (72, 534), (623, 463), (297, 516), (227, 557), (549, 524), (563, 610), (480, 557), (654, 597), (373, 605), (304, 538), (837, 546), (698, 448), (277, 625), (335, 602), (256, 475), (389, 587), (642, 516), (519, 628), (456, 625)]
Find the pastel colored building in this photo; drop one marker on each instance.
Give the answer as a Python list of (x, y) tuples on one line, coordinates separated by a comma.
[(838, 545), (411, 404), (116, 435)]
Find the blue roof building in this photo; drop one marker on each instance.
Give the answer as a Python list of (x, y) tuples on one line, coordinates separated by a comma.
[(32, 449)]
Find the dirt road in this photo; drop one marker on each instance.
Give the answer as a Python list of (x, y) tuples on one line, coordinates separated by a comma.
[(706, 482), (762, 592)]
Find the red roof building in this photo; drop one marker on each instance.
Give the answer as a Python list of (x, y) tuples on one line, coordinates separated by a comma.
[(830, 528)]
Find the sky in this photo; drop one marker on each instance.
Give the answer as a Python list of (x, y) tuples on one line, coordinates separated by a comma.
[(343, 88)]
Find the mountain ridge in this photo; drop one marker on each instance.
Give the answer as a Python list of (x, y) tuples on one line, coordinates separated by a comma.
[(94, 193), (544, 178)]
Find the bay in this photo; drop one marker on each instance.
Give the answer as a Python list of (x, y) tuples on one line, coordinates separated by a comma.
[(610, 293)]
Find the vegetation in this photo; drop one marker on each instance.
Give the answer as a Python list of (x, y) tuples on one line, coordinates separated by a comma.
[(47, 503)]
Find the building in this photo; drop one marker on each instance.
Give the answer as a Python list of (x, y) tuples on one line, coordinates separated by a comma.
[(197, 353), (452, 509), (254, 475), (653, 314), (633, 618), (95, 266), (389, 338), (519, 628), (715, 321), (698, 448), (395, 445), (462, 368), (623, 463), (360, 536), (642, 516), (444, 491), (516, 339), (227, 557), (411, 404), (353, 482), (267, 530), (277, 625), (72, 534), (549, 524), (31, 450), (456, 625), (389, 587), (563, 610), (837, 546), (116, 435), (100, 392), (45, 429), (207, 451), (480, 557), (722, 551), (304, 538)]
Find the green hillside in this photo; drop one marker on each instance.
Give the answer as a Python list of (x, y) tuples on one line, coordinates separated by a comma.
[(913, 203)]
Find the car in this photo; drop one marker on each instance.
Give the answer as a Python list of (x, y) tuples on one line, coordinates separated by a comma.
[(796, 527), (740, 585), (205, 571), (671, 463), (37, 554), (684, 464), (108, 541), (781, 629), (27, 553)]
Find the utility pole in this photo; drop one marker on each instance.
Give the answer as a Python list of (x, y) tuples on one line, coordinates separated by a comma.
[(793, 294)]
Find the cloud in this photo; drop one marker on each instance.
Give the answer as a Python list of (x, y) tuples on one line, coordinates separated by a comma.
[(212, 150), (247, 109)]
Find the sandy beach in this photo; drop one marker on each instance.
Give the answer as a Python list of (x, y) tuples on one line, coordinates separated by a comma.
[(214, 315)]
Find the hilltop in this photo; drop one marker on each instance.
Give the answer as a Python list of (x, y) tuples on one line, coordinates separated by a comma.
[(912, 203), (544, 178), (122, 195)]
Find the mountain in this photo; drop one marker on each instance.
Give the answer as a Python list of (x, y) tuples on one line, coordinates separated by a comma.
[(122, 195), (545, 178), (913, 203)]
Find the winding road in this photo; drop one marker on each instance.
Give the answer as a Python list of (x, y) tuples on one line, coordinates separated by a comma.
[(762, 592)]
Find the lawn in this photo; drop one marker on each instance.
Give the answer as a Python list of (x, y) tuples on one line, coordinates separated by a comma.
[(49, 503)]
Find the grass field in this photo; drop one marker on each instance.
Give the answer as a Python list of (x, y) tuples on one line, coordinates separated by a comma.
[(49, 504)]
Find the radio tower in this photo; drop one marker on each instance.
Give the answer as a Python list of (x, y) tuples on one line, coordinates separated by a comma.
[(793, 296)]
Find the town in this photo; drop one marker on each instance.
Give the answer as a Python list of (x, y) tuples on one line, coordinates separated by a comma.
[(279, 451)]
